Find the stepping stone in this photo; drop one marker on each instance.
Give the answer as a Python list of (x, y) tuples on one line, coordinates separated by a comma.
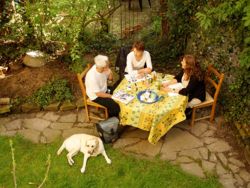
[(227, 180), (51, 116), (208, 166), (137, 133), (75, 130), (14, 125), (32, 135), (178, 140), (220, 169), (124, 142), (4, 121), (204, 153), (212, 126), (184, 159), (8, 133), (61, 126), (40, 114), (219, 146), (192, 153), (222, 158), (236, 162), (234, 168), (28, 115), (51, 135), (145, 148), (2, 129), (213, 157), (183, 125), (209, 140), (68, 118), (209, 133), (194, 169), (36, 124), (169, 156), (86, 125), (240, 182), (244, 175), (199, 128)]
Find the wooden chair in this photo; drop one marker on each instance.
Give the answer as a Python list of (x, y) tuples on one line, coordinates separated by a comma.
[(210, 101), (86, 100)]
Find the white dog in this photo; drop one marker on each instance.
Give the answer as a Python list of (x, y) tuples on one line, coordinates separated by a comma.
[(87, 144)]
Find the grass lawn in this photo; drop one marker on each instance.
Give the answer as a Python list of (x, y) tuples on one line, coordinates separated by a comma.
[(125, 171)]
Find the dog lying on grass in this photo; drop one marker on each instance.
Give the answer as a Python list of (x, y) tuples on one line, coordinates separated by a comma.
[(87, 144)]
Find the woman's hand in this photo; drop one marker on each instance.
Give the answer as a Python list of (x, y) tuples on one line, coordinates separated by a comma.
[(170, 90), (166, 89), (165, 84), (145, 71)]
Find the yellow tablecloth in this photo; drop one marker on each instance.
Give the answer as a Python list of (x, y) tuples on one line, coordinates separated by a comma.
[(157, 118)]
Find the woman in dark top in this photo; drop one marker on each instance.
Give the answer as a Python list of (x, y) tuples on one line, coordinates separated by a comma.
[(192, 79)]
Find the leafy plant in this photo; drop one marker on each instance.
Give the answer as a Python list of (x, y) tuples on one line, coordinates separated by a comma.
[(55, 90), (57, 25), (231, 19)]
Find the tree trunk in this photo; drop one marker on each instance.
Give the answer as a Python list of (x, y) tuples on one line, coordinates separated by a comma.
[(164, 20)]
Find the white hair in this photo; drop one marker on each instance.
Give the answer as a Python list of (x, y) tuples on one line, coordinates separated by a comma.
[(101, 61)]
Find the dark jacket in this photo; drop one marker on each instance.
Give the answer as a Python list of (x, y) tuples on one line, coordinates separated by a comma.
[(194, 89)]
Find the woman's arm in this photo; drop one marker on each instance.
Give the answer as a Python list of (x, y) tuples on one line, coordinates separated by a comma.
[(190, 87), (174, 81), (130, 69)]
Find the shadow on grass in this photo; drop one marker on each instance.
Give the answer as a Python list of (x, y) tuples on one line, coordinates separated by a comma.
[(125, 171)]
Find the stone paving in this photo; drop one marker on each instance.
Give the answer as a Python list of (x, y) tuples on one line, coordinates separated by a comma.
[(197, 151)]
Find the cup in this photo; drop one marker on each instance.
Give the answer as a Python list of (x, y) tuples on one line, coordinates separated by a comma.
[(159, 85)]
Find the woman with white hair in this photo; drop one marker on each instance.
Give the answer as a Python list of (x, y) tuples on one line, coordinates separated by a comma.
[(96, 85)]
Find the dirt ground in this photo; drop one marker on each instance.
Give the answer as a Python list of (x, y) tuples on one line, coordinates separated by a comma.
[(24, 82)]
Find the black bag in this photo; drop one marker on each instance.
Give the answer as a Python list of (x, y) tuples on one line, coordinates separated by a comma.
[(108, 130)]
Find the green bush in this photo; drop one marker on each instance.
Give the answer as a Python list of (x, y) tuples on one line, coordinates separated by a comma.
[(224, 41), (54, 91), (99, 42)]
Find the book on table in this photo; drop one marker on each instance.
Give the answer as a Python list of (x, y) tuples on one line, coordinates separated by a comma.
[(136, 78), (123, 97), (177, 86)]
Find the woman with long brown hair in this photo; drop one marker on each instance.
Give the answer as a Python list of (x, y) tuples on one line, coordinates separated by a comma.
[(192, 79)]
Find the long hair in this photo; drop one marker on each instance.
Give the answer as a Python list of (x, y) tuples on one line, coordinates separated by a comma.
[(193, 68)]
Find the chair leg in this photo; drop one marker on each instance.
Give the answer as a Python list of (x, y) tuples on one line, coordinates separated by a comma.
[(193, 117), (149, 2), (106, 114), (129, 5), (87, 113), (140, 3), (212, 113)]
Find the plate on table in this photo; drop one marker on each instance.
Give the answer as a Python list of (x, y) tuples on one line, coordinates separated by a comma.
[(148, 97)]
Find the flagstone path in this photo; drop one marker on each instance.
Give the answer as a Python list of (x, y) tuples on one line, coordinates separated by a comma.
[(197, 151)]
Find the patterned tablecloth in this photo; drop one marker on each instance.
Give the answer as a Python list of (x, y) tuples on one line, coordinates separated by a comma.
[(157, 118)]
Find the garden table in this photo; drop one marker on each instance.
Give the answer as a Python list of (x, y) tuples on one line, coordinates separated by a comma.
[(157, 118)]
